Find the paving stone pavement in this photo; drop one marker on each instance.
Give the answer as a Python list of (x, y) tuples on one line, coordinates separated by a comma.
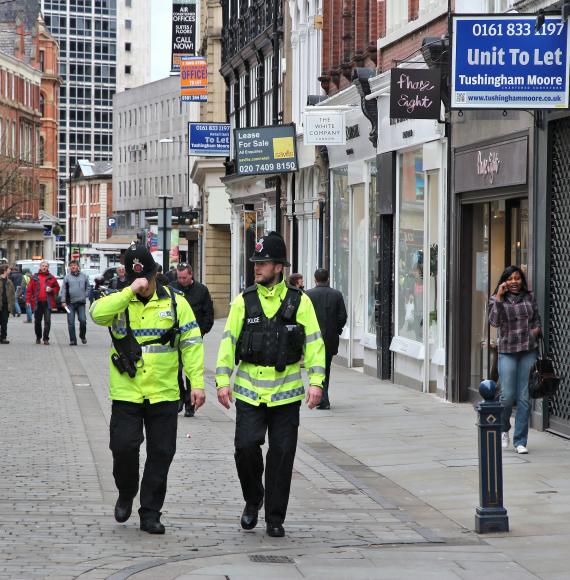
[(57, 492)]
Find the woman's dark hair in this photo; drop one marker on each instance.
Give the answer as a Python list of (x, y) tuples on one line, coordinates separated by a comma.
[(508, 272)]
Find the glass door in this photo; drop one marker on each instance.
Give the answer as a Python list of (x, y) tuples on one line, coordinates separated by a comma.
[(499, 237)]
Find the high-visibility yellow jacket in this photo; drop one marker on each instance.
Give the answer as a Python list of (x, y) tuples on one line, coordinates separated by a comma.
[(257, 384), (157, 378)]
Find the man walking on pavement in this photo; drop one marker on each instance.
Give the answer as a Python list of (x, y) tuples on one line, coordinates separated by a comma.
[(331, 314), (25, 281), (73, 298), (7, 301), (150, 327), (269, 328), (198, 297), (120, 280), (18, 280), (41, 296)]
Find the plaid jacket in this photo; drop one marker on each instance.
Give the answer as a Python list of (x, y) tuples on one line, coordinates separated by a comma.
[(515, 317)]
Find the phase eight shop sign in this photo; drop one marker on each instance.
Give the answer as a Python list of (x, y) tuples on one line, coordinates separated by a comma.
[(502, 164)]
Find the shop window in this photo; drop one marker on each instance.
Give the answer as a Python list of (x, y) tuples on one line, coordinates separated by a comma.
[(410, 280), (341, 231)]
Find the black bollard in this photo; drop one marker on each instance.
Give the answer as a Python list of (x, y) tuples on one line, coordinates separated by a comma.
[(490, 515)]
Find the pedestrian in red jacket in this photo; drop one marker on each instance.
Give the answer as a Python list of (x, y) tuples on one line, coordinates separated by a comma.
[(41, 296)]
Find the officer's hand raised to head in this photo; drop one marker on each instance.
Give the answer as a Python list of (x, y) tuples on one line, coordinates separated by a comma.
[(225, 397), (314, 395), (140, 284), (197, 398)]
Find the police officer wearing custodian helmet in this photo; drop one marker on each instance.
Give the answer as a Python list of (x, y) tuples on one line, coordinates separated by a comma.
[(149, 326), (269, 328)]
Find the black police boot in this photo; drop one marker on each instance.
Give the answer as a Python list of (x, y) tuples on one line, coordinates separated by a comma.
[(189, 410), (152, 525), (249, 515), (123, 509), (275, 530)]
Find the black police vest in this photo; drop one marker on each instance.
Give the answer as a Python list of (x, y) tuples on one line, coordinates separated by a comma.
[(271, 342)]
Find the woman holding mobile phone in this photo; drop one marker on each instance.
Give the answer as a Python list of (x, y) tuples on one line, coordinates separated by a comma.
[(514, 311)]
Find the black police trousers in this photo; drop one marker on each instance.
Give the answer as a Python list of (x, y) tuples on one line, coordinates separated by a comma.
[(160, 422), (282, 425)]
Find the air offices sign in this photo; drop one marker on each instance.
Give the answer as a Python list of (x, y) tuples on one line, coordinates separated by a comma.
[(184, 20), (503, 62)]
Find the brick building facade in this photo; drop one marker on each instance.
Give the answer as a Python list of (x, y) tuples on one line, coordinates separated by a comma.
[(90, 207), (20, 123)]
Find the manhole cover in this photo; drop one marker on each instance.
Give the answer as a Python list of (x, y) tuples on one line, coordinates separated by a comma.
[(343, 491), (271, 559)]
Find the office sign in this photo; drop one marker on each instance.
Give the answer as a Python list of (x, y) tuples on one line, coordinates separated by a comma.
[(184, 24), (415, 93), (209, 139), (193, 78), (262, 150), (503, 62), (324, 127)]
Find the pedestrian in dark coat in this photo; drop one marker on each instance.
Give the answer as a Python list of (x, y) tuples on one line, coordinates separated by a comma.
[(331, 314), (198, 296), (7, 301)]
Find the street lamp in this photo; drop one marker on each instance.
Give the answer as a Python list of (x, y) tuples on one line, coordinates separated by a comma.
[(165, 232)]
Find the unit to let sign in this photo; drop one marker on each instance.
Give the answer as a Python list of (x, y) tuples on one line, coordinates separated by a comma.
[(209, 139), (193, 78), (504, 62), (261, 150)]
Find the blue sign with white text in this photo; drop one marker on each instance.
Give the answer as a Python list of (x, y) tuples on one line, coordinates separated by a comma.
[(504, 62), (209, 139)]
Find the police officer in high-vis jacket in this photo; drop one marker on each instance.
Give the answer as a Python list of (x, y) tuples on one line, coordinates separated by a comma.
[(269, 328), (149, 326)]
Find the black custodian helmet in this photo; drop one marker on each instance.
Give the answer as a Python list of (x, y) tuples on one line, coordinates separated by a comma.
[(139, 262), (270, 248)]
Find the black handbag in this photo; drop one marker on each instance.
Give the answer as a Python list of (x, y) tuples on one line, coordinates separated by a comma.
[(542, 380)]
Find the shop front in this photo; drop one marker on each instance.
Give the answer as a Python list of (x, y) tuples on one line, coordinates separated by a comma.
[(252, 215), (491, 185), (353, 234), (553, 262), (412, 158)]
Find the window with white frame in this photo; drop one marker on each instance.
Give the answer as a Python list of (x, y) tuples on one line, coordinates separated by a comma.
[(396, 15), (498, 6), (432, 6), (254, 95), (267, 92)]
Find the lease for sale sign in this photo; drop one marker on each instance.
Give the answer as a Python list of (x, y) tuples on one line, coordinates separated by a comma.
[(507, 62), (193, 78)]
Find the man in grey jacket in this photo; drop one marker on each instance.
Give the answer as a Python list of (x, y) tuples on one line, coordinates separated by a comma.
[(75, 289)]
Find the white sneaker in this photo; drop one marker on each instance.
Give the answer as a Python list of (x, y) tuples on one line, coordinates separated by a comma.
[(521, 449), (505, 439)]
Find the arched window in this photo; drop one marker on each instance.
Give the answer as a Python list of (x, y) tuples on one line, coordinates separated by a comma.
[(42, 104), (42, 150)]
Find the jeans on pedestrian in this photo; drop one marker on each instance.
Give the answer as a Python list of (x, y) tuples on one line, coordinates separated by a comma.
[(17, 308), (514, 369), (29, 312), (79, 308), (43, 311)]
